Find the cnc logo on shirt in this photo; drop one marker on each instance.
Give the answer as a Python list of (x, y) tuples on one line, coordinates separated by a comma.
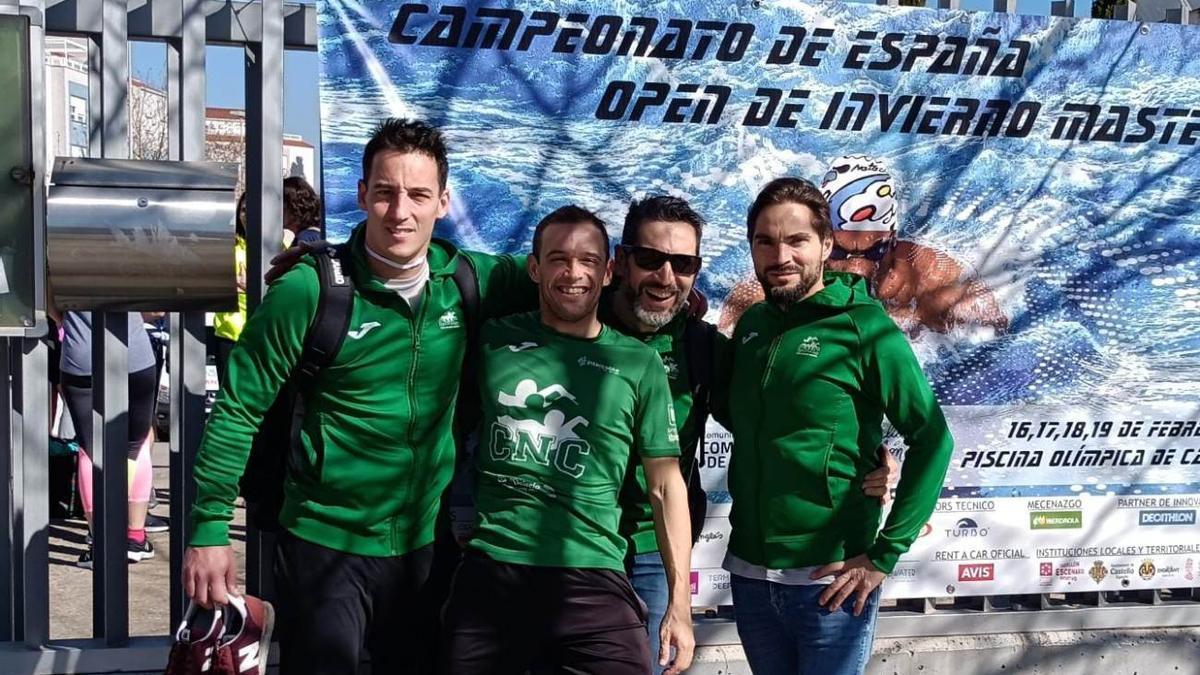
[(810, 346), (552, 440), (522, 347), (363, 330), (449, 320), (749, 336)]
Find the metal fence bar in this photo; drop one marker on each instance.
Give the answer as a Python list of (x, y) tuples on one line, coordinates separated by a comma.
[(110, 358), (31, 508), (110, 450), (9, 433), (185, 115), (264, 178)]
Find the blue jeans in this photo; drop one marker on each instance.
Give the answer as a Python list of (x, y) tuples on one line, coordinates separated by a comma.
[(649, 581), (785, 632)]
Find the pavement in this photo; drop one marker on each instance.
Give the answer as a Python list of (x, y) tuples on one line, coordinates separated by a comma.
[(149, 580)]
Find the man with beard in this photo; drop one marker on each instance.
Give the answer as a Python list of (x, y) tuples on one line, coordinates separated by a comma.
[(567, 403), (657, 263), (813, 372), (921, 286)]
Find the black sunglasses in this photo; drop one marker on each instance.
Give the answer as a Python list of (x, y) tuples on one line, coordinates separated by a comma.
[(874, 253), (652, 259)]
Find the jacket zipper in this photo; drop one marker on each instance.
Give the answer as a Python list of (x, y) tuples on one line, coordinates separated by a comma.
[(416, 322), (758, 431)]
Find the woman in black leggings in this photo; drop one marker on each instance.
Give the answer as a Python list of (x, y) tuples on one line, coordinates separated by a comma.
[(76, 369)]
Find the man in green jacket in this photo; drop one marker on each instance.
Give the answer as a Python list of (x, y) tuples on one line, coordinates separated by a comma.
[(359, 512), (657, 263), (814, 370)]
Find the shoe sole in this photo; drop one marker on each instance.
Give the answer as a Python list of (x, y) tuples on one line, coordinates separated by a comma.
[(83, 565), (158, 529), (140, 556)]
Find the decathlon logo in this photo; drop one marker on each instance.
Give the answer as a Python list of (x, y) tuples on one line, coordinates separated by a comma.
[(363, 330), (1167, 517)]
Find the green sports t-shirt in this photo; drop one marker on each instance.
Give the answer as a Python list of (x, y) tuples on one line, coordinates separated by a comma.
[(562, 418)]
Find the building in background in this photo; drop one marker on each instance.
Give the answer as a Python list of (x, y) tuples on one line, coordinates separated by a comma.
[(67, 118)]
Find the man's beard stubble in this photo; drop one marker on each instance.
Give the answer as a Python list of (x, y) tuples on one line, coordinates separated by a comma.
[(786, 296)]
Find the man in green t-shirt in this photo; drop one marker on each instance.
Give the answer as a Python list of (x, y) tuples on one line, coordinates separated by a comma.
[(566, 403)]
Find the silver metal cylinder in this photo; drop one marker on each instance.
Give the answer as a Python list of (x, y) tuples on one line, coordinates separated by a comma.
[(135, 235)]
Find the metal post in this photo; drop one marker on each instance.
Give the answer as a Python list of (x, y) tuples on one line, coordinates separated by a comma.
[(1062, 8), (185, 86), (1006, 6), (264, 182), (31, 508), (8, 440), (948, 4), (110, 452), (110, 370)]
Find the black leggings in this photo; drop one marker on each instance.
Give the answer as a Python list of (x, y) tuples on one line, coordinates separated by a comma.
[(143, 389)]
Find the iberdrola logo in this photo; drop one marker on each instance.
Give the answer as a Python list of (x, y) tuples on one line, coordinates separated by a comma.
[(810, 346)]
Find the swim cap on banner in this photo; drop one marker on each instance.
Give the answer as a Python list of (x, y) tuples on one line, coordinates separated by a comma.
[(861, 195)]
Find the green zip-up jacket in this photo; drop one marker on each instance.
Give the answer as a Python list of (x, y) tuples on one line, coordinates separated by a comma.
[(809, 387), (380, 415), (637, 518)]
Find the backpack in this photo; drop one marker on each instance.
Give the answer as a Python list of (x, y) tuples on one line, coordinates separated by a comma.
[(276, 448), (699, 344)]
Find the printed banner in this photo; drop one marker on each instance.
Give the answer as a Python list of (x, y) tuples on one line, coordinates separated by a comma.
[(1021, 193)]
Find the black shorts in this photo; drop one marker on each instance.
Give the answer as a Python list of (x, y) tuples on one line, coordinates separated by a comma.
[(503, 618)]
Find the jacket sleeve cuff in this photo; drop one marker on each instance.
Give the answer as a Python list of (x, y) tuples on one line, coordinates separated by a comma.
[(883, 556), (210, 533)]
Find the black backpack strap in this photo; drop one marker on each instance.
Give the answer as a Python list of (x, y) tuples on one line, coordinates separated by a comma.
[(467, 281), (699, 345), (325, 335)]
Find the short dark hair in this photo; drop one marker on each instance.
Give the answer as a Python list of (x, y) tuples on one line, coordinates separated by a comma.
[(795, 191), (568, 214), (659, 207), (405, 135), (301, 202)]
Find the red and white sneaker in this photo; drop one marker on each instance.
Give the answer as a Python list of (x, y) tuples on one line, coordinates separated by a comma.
[(247, 634), (197, 649)]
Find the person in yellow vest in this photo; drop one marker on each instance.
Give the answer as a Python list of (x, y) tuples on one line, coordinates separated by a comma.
[(227, 326)]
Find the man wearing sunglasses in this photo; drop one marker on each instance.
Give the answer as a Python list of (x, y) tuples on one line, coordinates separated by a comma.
[(920, 286), (657, 264)]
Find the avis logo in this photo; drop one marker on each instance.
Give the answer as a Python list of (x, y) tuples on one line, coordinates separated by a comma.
[(977, 572)]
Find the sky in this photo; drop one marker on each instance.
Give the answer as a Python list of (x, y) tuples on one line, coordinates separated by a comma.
[(301, 72)]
